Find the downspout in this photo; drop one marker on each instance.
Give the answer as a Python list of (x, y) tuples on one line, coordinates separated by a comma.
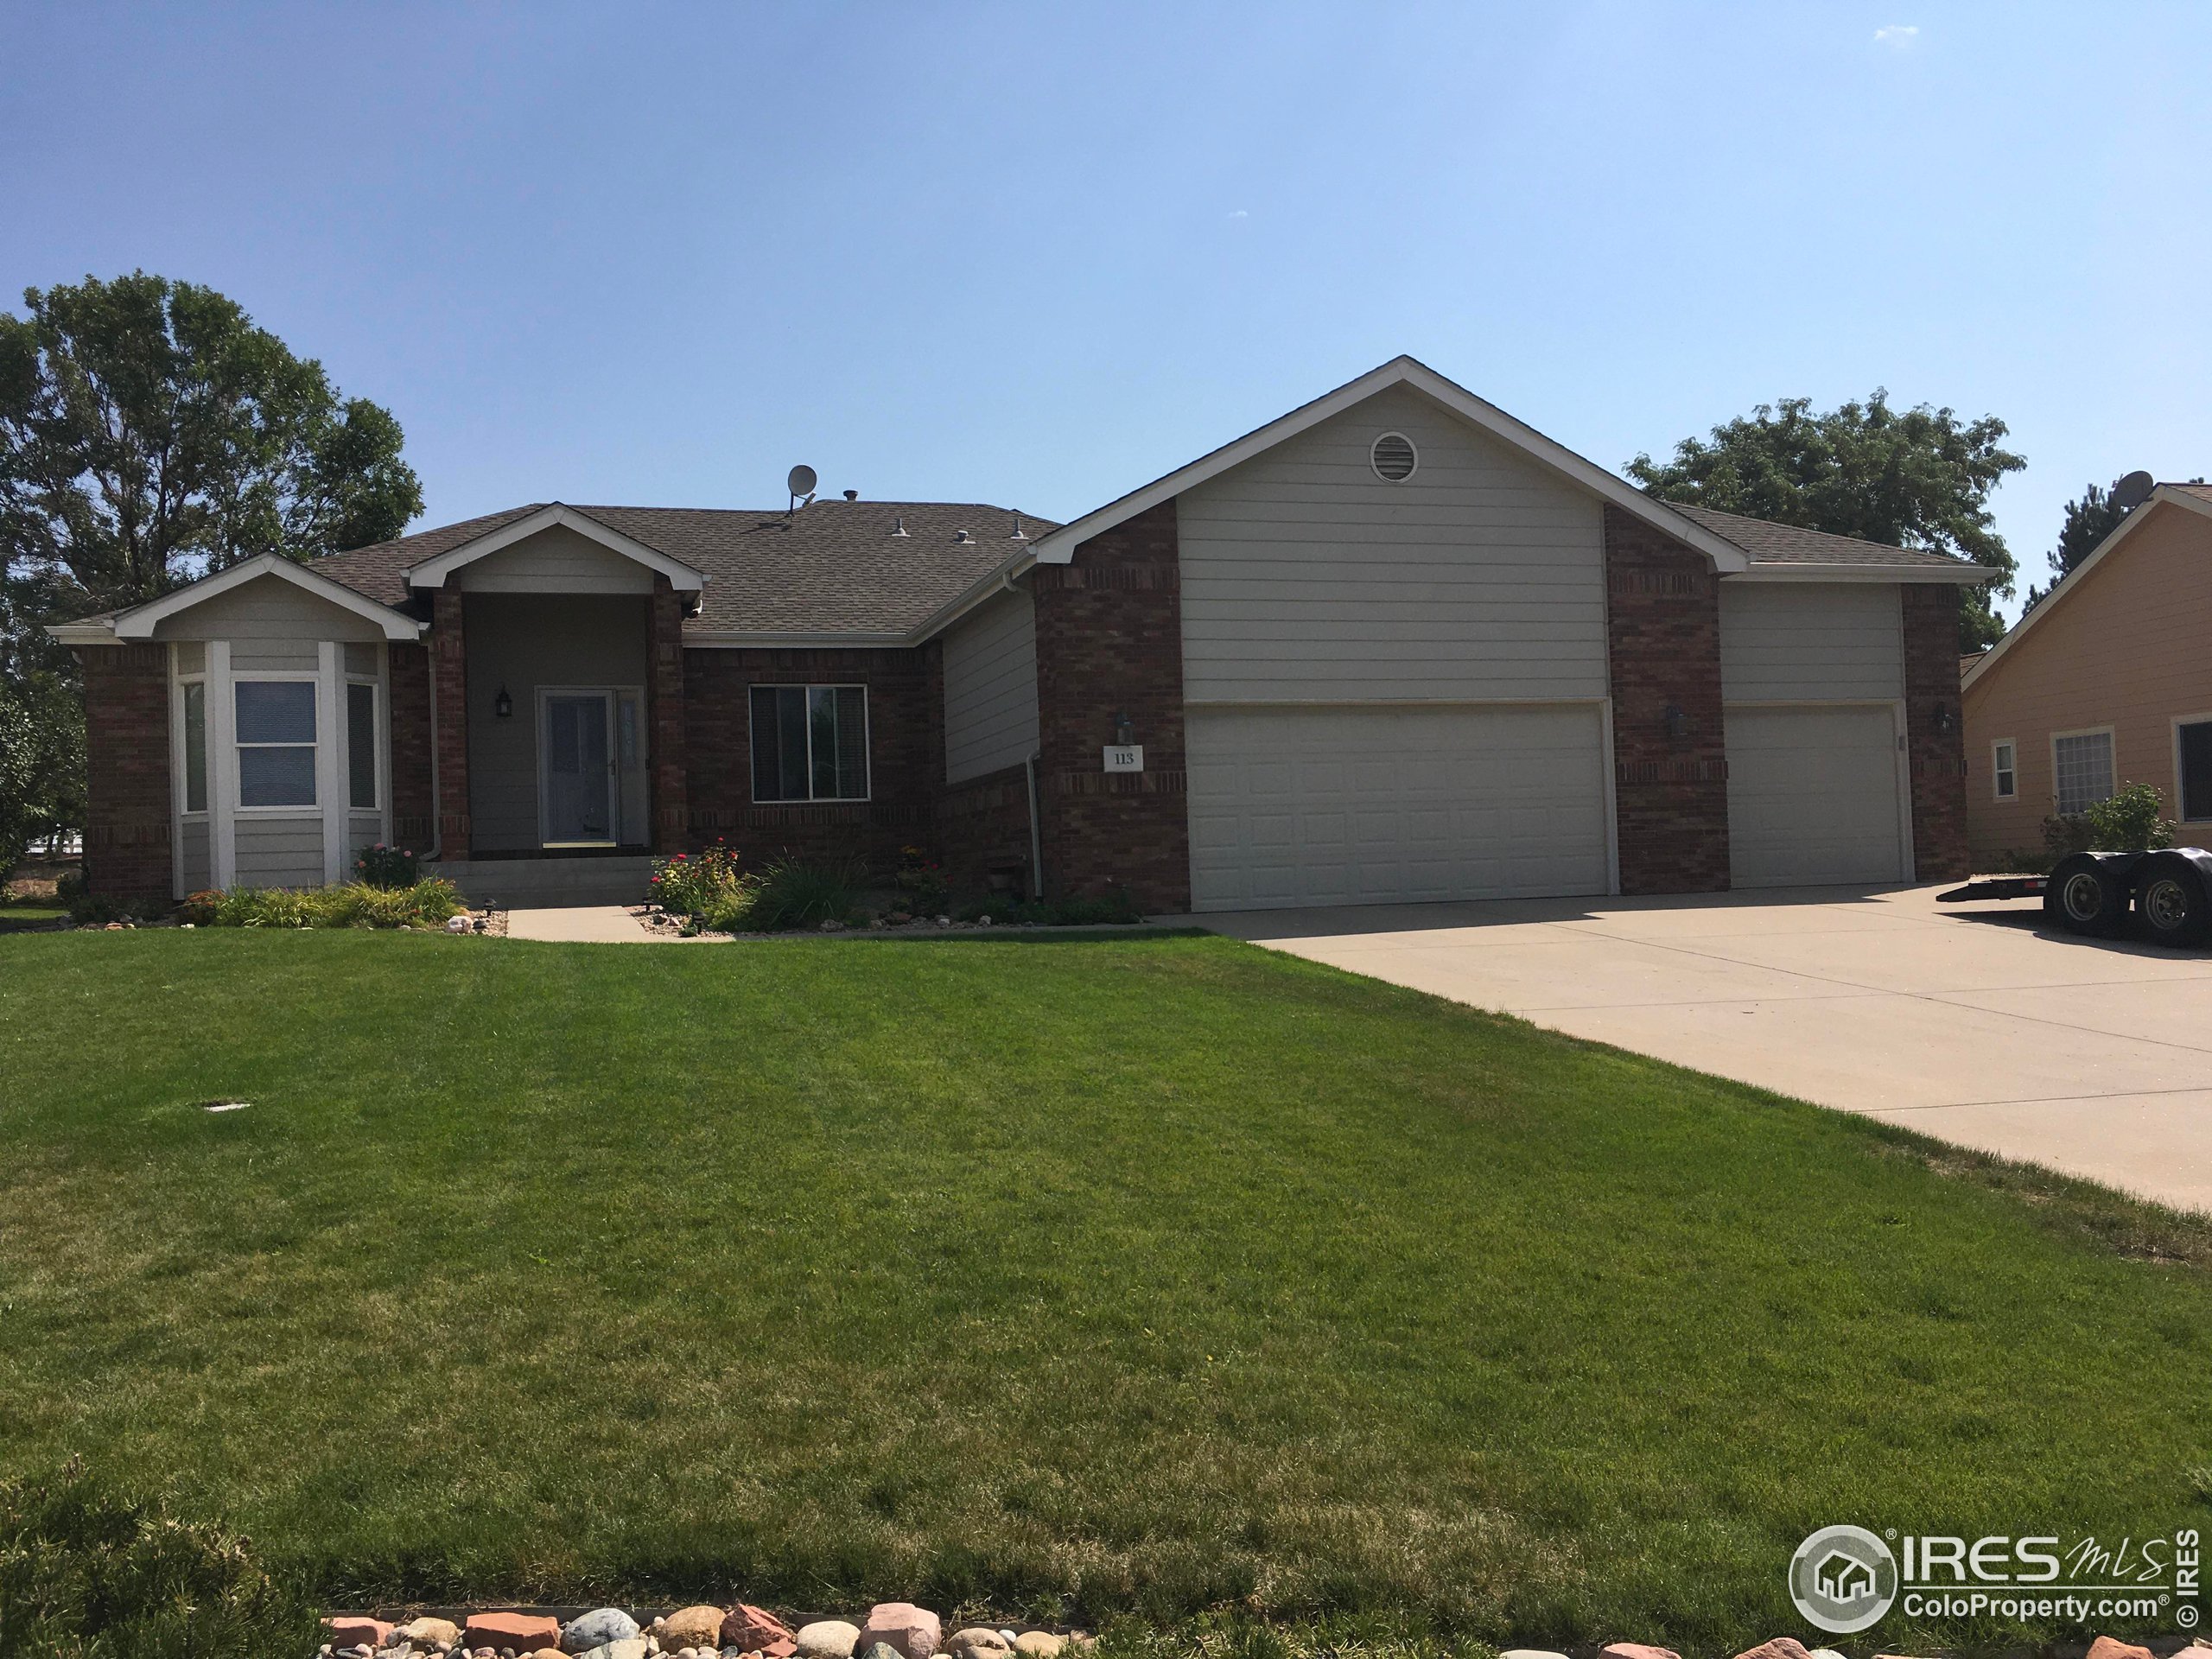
[(1036, 836)]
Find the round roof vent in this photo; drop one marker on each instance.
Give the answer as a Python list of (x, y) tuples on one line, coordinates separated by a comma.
[(1393, 457)]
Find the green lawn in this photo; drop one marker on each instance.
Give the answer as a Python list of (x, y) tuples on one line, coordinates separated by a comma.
[(1073, 1277)]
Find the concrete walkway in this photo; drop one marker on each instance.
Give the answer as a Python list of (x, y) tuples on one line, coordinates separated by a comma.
[(583, 924), (1973, 1023)]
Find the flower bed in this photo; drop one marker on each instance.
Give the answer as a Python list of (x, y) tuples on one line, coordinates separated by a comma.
[(427, 904)]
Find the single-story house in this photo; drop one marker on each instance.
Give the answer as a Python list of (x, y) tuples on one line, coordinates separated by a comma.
[(2107, 682), (1394, 645)]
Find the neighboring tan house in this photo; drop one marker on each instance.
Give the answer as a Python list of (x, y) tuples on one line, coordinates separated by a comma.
[(1394, 645), (2107, 683)]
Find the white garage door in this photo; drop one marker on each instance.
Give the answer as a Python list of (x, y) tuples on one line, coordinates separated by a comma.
[(1347, 806), (1812, 796)]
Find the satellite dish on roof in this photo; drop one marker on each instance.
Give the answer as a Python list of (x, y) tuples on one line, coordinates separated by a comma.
[(801, 481), (2133, 490)]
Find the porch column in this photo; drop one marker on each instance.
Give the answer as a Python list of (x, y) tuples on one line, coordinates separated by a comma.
[(671, 805), (449, 667)]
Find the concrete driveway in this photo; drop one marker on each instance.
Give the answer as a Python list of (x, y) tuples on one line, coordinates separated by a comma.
[(1969, 1022)]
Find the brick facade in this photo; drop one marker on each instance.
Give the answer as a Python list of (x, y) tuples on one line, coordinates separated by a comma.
[(449, 657), (905, 704), (408, 673), (1937, 757), (982, 833), (127, 771), (1662, 625), (664, 701), (1109, 642)]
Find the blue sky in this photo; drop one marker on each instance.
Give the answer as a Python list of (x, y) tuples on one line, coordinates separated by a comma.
[(1040, 254)]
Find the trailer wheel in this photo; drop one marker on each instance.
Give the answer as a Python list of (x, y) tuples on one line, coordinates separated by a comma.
[(2171, 900), (2086, 896)]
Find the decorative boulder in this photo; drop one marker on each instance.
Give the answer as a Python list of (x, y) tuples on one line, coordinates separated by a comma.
[(1638, 1650), (521, 1632), (977, 1641), (828, 1639), (1039, 1644), (911, 1632), (1783, 1646), (879, 1650), (358, 1630), (596, 1628), (429, 1632), (755, 1630), (2105, 1648), (692, 1627), (626, 1647)]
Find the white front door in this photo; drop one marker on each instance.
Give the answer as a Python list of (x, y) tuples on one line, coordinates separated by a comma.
[(1352, 805), (575, 769), (1813, 796)]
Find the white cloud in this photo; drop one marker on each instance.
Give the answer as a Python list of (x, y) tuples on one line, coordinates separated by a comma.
[(1897, 37), (1240, 213)]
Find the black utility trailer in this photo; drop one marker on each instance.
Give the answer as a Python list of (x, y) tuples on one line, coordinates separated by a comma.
[(2168, 891)]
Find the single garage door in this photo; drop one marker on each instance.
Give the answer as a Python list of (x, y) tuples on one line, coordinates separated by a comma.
[(1812, 796), (1351, 805)]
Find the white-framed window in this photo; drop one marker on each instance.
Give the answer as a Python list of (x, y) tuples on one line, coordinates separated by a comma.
[(2005, 769), (362, 749), (2193, 766), (2080, 765), (809, 743), (275, 735)]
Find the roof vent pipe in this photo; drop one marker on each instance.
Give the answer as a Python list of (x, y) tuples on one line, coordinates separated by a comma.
[(1017, 536), (961, 536), (899, 525), (852, 495)]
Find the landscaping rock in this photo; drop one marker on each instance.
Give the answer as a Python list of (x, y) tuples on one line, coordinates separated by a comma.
[(828, 1639), (977, 1642), (358, 1631), (1783, 1646), (1040, 1644), (2105, 1648), (549, 1653), (521, 1632), (431, 1632), (596, 1628), (1531, 1653), (692, 1627), (910, 1632), (1826, 1653), (879, 1650), (1638, 1650), (755, 1630), (625, 1647)]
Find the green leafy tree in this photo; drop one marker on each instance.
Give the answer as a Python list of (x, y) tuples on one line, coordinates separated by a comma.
[(150, 433), (1916, 478)]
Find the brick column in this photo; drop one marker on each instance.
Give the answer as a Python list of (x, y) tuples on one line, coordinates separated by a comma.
[(1662, 625), (1109, 639), (1937, 758), (449, 657), (664, 701), (127, 771), (407, 671)]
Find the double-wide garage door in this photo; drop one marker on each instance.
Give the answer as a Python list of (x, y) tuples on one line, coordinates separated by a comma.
[(1812, 796), (1381, 805)]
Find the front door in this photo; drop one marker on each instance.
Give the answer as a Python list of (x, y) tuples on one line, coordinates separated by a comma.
[(577, 765)]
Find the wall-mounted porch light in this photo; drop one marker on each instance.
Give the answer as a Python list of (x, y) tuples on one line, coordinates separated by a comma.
[(1943, 720), (1676, 723), (1124, 731), (503, 705)]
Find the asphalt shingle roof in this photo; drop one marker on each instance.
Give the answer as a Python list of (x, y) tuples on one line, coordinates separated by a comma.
[(834, 567), (1770, 543)]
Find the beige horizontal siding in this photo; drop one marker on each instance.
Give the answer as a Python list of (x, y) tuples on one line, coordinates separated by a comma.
[(2130, 647), (1306, 577), (267, 608), (195, 871), (275, 852), (556, 560), (1816, 642), (990, 687)]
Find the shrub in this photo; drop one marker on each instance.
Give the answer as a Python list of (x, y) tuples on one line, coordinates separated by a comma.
[(921, 880), (96, 908), (793, 893), (709, 888), (2126, 823), (426, 904), (83, 1571), (388, 867)]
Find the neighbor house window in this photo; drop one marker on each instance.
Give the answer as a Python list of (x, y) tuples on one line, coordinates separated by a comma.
[(809, 743), (2005, 771), (2082, 764), (276, 741), (361, 746), (2195, 742), (196, 746)]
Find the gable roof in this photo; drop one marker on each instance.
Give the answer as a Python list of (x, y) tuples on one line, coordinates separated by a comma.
[(1785, 551), (432, 571), (2191, 498), (139, 621), (1059, 548), (834, 570)]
